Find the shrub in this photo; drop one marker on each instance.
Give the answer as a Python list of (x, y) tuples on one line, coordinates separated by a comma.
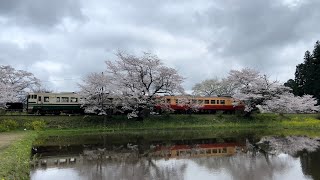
[(3, 128), (35, 125), (9, 124)]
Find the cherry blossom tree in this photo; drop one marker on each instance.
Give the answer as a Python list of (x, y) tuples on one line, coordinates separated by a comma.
[(14, 84), (190, 104), (288, 103), (214, 87), (254, 88), (98, 94), (141, 79)]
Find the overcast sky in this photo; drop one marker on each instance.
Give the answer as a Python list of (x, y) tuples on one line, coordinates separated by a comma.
[(61, 41)]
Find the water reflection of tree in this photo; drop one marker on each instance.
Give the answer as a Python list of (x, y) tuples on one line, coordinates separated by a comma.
[(128, 165), (310, 163), (246, 165)]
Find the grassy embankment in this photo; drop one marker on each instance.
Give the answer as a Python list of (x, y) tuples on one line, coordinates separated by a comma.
[(172, 122), (15, 159)]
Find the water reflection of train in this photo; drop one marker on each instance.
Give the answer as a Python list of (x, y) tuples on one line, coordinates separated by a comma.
[(198, 150), (52, 156)]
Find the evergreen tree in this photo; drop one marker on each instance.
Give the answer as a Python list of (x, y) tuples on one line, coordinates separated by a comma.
[(307, 75), (315, 71)]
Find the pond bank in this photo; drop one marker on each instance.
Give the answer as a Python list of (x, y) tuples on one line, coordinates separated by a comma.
[(15, 158), (172, 122)]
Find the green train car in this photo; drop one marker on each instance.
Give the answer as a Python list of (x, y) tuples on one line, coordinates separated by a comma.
[(54, 103)]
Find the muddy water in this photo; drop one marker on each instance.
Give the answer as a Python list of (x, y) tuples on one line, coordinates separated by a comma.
[(176, 157)]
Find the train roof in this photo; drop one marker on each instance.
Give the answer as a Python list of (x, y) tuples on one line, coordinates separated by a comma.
[(191, 96), (59, 93)]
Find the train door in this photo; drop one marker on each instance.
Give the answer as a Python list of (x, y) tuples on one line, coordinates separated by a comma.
[(39, 100)]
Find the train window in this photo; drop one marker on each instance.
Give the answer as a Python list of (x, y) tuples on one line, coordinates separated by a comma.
[(224, 150), (213, 102), (218, 102), (73, 99), (208, 151), (177, 102), (34, 96), (28, 96), (65, 99), (214, 151), (58, 99), (206, 101), (168, 100), (194, 101), (46, 99), (202, 151), (222, 102), (39, 98), (200, 101)]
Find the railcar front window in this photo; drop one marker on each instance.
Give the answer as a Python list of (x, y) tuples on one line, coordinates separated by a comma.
[(65, 99)]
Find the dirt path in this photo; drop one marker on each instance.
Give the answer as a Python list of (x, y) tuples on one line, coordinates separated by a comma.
[(8, 137)]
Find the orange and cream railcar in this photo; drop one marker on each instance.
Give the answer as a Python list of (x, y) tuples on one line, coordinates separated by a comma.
[(203, 104)]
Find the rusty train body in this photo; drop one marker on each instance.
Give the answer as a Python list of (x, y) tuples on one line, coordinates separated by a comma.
[(203, 104)]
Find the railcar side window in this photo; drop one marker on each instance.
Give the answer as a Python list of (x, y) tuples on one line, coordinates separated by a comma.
[(168, 100), (58, 99), (34, 96), (39, 99), (73, 99), (224, 150), (218, 102), (206, 101), (28, 96), (208, 151), (200, 101), (46, 99), (177, 101), (65, 99), (214, 151), (213, 101), (222, 102)]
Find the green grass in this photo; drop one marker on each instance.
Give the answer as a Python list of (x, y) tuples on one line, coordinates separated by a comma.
[(181, 122), (15, 159)]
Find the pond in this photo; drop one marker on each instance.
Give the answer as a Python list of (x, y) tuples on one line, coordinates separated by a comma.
[(168, 155)]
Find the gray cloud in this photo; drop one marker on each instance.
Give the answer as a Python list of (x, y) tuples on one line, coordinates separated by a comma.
[(200, 38), (40, 13)]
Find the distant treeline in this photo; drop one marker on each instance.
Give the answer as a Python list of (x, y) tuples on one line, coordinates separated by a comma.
[(307, 75)]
